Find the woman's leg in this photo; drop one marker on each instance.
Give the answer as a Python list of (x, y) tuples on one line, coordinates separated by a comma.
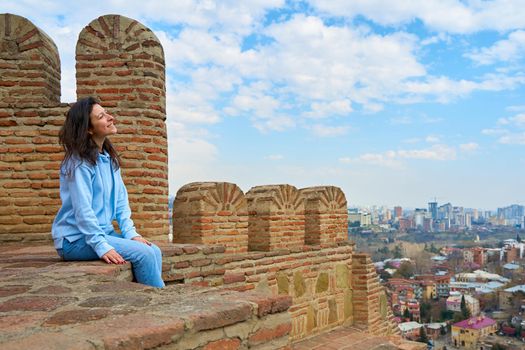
[(146, 260), (78, 250)]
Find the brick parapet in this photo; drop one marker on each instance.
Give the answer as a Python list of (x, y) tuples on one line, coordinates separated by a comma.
[(121, 62), (29, 63), (318, 279), (29, 169), (211, 213), (326, 215), (371, 308), (31, 116), (275, 217)]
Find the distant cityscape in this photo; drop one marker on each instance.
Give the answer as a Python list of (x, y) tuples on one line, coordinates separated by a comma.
[(435, 218)]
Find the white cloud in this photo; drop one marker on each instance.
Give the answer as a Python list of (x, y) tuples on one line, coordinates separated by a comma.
[(405, 120), (328, 131), (518, 120), (493, 131), (517, 108), (469, 147), (513, 139), (509, 130), (511, 49), (185, 146), (435, 152), (451, 16), (394, 159), (328, 109), (432, 139), (411, 140)]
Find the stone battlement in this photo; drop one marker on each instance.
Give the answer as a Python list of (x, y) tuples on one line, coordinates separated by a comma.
[(46, 303), (254, 270), (119, 61)]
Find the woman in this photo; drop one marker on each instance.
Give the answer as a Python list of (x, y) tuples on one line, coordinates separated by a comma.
[(93, 195)]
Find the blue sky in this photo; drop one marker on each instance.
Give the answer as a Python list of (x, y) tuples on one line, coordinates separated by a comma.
[(396, 102)]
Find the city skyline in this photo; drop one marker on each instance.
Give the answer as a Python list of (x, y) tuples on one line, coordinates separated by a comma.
[(397, 105)]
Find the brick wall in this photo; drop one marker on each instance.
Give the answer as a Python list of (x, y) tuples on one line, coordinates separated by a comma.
[(371, 308), (326, 215), (211, 213), (119, 61), (276, 217), (329, 284)]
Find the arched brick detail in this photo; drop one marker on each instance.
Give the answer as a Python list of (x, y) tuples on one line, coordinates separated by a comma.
[(121, 62), (276, 217), (326, 215), (29, 65), (211, 213)]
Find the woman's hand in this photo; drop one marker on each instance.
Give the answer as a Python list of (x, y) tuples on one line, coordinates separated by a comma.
[(112, 257), (141, 239)]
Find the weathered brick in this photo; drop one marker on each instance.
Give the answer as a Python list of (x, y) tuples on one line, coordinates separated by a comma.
[(223, 344), (267, 334)]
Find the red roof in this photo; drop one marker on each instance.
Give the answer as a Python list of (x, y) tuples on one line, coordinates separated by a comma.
[(475, 323)]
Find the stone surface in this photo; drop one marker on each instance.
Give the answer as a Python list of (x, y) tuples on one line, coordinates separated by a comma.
[(283, 284), (223, 344), (34, 303), (62, 307), (6, 291), (351, 338), (342, 277), (322, 283), (77, 316), (299, 284)]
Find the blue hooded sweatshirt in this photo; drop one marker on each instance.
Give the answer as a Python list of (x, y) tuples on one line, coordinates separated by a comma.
[(92, 197)]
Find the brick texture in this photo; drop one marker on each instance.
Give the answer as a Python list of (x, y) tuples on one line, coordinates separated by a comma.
[(119, 61), (276, 217), (30, 65), (326, 215), (211, 213)]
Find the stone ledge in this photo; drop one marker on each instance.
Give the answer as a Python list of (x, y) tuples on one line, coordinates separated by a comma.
[(46, 303)]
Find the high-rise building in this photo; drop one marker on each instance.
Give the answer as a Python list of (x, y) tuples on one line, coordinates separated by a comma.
[(433, 210), (419, 217), (398, 212)]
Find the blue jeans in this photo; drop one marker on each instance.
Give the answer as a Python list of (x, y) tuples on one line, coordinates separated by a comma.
[(146, 260)]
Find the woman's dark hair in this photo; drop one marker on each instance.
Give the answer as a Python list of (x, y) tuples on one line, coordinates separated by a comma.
[(77, 142)]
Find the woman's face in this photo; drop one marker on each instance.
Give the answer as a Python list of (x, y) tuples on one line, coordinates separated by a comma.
[(102, 123)]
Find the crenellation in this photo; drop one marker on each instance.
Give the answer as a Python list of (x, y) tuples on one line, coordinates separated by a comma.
[(287, 243), (31, 116)]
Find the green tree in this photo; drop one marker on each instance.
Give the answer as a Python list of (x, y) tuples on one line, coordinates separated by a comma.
[(406, 314), (422, 335), (406, 270), (425, 309), (499, 347), (446, 315), (465, 312), (398, 252)]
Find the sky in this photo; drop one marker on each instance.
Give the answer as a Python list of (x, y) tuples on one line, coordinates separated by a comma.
[(396, 102)]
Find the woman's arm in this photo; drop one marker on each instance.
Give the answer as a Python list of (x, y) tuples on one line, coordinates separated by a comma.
[(81, 192), (123, 212)]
